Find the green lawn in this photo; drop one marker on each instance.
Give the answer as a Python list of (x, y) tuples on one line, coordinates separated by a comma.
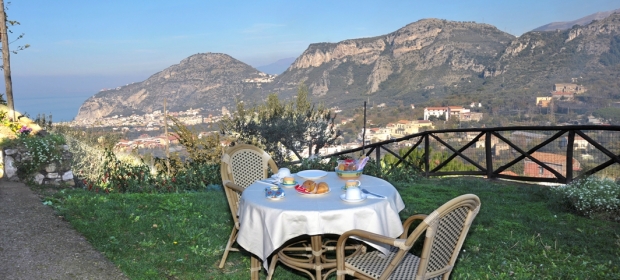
[(518, 234)]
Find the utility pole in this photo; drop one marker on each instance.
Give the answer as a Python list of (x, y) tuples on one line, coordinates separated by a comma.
[(364, 131), (167, 138), (6, 61)]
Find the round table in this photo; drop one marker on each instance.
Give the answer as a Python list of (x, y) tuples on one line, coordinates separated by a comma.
[(267, 224)]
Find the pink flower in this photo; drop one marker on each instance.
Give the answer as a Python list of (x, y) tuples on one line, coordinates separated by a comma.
[(25, 130)]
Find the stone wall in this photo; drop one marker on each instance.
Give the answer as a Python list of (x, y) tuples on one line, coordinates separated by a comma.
[(53, 173)]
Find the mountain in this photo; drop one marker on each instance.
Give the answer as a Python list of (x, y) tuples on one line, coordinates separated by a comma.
[(443, 62), (564, 25), (207, 78), (409, 64), (277, 67), (431, 61)]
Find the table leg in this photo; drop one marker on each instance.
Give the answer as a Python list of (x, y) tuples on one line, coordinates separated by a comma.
[(317, 252), (254, 268)]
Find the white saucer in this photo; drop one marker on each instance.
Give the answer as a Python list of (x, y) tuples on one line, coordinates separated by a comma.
[(289, 186), (364, 196)]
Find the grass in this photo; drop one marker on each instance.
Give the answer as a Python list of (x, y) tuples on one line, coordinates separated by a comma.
[(520, 232)]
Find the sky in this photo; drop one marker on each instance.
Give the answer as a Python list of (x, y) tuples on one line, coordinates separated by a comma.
[(78, 47)]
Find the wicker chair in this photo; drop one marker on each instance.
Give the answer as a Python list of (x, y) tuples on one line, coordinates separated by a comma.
[(241, 166), (445, 229)]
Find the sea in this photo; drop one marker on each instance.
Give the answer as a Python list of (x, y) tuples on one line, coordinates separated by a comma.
[(61, 96), (61, 107)]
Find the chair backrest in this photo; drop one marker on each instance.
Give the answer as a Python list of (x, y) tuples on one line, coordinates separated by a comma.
[(243, 164), (446, 229)]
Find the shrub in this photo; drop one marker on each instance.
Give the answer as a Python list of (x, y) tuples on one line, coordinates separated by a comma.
[(100, 169), (41, 151), (125, 174), (592, 196), (327, 164)]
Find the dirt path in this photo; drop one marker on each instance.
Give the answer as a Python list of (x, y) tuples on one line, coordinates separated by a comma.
[(36, 244)]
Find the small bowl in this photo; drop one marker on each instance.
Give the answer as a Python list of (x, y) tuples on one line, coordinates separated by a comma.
[(349, 174)]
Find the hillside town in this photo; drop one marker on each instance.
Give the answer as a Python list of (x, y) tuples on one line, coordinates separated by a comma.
[(149, 124)]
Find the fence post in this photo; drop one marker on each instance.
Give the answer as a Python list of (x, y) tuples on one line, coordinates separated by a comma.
[(489, 155), (426, 154), (569, 156), (378, 157)]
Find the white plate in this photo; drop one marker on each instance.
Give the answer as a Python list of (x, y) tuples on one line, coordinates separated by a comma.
[(343, 197), (311, 174), (312, 194)]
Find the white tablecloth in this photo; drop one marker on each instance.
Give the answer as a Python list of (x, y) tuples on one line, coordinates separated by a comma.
[(267, 224)]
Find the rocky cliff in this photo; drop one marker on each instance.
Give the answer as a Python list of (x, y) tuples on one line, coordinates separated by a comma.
[(426, 54), (435, 59)]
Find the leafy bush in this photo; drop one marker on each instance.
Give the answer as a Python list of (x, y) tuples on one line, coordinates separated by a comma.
[(6, 121), (592, 196), (319, 163), (197, 176), (101, 170), (41, 151), (126, 174)]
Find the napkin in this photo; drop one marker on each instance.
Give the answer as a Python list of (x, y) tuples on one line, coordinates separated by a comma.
[(283, 172)]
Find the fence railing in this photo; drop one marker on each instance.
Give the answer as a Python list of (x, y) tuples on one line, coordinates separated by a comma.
[(558, 154)]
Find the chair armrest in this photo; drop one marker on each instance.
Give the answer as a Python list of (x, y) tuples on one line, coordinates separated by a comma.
[(234, 187), (365, 235), (359, 233), (410, 221)]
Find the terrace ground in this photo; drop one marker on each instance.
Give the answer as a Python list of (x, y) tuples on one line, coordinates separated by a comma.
[(37, 244)]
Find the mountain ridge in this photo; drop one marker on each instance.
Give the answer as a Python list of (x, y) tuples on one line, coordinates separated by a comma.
[(426, 61), (564, 25)]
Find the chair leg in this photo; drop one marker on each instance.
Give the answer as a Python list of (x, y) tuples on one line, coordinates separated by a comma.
[(272, 266), (254, 268), (231, 240)]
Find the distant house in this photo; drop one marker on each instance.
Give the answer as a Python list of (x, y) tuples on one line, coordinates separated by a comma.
[(499, 147), (572, 88), (543, 102), (482, 142), (444, 112), (405, 127), (555, 161), (439, 112), (457, 111), (578, 144), (560, 95), (470, 116)]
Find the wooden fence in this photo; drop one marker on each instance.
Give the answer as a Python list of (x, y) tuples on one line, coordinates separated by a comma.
[(523, 153)]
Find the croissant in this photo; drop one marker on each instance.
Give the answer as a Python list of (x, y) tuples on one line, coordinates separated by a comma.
[(310, 186), (322, 187)]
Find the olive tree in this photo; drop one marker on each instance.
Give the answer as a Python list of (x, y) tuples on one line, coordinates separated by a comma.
[(282, 127)]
